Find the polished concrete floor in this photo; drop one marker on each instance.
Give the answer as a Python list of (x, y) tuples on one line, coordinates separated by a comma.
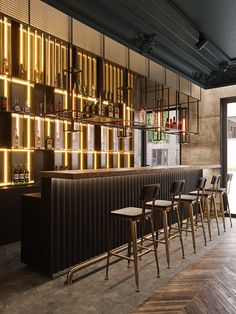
[(22, 290)]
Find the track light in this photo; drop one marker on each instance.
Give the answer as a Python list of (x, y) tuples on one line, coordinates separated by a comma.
[(202, 41)]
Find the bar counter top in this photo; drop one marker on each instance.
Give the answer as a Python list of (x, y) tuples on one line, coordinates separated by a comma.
[(95, 173)]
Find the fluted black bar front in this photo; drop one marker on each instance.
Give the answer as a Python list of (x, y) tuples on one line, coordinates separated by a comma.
[(75, 214)]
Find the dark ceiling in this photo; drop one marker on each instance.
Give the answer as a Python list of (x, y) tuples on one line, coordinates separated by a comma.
[(167, 32)]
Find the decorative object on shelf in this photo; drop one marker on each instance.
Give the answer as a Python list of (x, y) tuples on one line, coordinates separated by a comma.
[(16, 107), (48, 143), (16, 139), (38, 140), (26, 109)]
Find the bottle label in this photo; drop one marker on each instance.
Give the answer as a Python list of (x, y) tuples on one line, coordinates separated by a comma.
[(16, 177), (110, 111), (21, 177), (26, 177)]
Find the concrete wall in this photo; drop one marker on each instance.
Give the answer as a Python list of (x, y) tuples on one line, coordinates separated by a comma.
[(205, 148)]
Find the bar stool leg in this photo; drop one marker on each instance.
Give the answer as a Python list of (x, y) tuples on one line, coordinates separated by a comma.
[(208, 216), (216, 215), (180, 231), (158, 219), (187, 224), (109, 246), (133, 231), (141, 243), (222, 211), (202, 221), (129, 247), (165, 226), (190, 210), (228, 210), (155, 247)]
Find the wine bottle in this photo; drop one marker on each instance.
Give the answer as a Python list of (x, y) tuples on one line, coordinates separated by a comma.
[(16, 139), (180, 125), (26, 175), (110, 110), (171, 124), (15, 175), (21, 175)]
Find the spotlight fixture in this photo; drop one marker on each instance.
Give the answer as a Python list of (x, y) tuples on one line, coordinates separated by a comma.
[(202, 41), (224, 67)]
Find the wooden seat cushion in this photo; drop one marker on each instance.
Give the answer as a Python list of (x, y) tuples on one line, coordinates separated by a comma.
[(131, 212)]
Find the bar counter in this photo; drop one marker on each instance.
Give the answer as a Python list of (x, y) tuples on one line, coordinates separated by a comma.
[(67, 224)]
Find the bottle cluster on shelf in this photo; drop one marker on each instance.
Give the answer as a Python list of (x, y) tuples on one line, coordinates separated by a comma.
[(21, 174)]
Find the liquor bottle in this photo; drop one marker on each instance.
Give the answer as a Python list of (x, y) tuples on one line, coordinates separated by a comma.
[(79, 88), (26, 175), (154, 118), (59, 109), (109, 110), (171, 124), (15, 175), (16, 139), (142, 116), (22, 72), (26, 109), (95, 108), (38, 141), (180, 125), (21, 175), (105, 95), (48, 143), (5, 66), (174, 123), (57, 141), (116, 111), (3, 103), (84, 89), (167, 125), (86, 110), (93, 91), (16, 107), (36, 76)]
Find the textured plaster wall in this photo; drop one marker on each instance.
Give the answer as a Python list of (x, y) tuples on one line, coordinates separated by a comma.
[(204, 148)]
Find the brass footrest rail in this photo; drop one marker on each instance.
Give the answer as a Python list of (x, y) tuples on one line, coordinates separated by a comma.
[(96, 260)]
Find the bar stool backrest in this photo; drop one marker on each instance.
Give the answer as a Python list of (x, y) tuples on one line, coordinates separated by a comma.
[(228, 182), (176, 189), (149, 193), (215, 181), (218, 181), (200, 186)]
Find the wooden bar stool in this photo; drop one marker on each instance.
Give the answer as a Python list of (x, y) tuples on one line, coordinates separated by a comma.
[(133, 216), (165, 207), (209, 205), (224, 201), (194, 202)]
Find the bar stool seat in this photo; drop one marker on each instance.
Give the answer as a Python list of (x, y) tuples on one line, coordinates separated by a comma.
[(187, 198), (163, 203), (134, 216), (131, 212)]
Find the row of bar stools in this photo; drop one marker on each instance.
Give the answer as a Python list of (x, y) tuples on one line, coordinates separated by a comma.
[(209, 205), (133, 216), (194, 203), (165, 207)]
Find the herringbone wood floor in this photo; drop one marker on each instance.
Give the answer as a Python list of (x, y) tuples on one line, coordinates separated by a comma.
[(207, 286)]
